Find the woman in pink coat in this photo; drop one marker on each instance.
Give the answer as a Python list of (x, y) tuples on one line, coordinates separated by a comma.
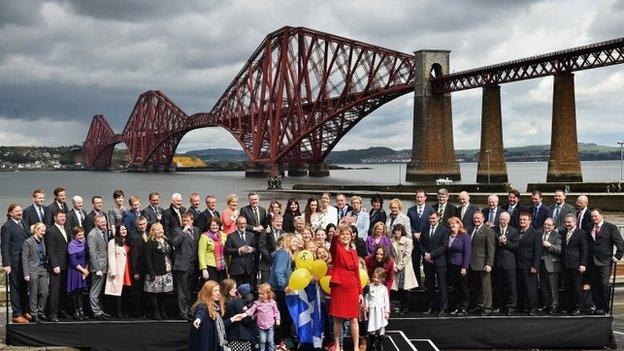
[(119, 270)]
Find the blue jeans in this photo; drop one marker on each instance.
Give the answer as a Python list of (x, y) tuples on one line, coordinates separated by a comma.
[(266, 339)]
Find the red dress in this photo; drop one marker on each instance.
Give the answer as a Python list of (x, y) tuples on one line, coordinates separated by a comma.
[(345, 281)]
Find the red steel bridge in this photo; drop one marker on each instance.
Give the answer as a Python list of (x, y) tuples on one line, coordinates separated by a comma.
[(302, 90)]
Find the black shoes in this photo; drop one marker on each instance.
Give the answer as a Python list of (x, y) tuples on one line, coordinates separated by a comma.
[(575, 312), (100, 317)]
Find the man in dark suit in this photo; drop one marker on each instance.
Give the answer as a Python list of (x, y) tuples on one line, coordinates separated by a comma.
[(153, 212), (254, 214), (513, 207), (435, 244), (37, 212), (138, 268), (98, 205), (194, 202), (184, 242), (583, 214), (77, 215), (419, 221), (56, 238), (481, 263), (560, 208), (12, 237), (505, 265), (603, 238), (465, 211), (550, 266), (60, 195), (443, 207), (539, 211), (172, 216), (342, 206), (574, 258), (203, 220), (529, 255), (492, 212), (241, 246), (131, 216), (267, 246)]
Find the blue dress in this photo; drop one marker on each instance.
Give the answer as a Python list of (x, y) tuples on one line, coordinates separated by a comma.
[(77, 256)]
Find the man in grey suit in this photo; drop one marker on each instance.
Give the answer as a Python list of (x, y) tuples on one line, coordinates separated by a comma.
[(481, 262), (34, 263), (505, 265), (560, 209), (184, 241), (241, 247), (550, 266), (98, 262)]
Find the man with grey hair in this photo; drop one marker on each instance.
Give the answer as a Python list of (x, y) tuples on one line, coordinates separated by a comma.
[(98, 264), (443, 207), (465, 211), (254, 214), (172, 216), (560, 209), (550, 266), (76, 215), (574, 259), (492, 212), (505, 265)]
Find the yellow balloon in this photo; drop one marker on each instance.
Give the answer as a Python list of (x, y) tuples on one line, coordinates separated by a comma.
[(304, 259), (363, 277), (325, 283), (319, 268), (299, 279)]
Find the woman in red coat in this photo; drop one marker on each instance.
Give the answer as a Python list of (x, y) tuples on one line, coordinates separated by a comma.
[(345, 286)]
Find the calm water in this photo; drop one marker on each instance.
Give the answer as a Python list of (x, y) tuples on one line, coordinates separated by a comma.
[(17, 186)]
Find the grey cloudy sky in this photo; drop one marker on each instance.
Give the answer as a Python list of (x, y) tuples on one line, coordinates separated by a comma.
[(61, 62)]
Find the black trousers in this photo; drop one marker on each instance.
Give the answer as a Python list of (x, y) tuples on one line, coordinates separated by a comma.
[(600, 290), (436, 276), (574, 285), (18, 291), (549, 285), (244, 279), (58, 294), (283, 331), (459, 282), (527, 292), (214, 274), (185, 282), (138, 296), (506, 288)]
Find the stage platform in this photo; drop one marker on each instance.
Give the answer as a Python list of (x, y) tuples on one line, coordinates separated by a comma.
[(470, 332)]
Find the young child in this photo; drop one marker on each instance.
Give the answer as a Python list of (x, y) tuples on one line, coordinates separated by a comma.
[(378, 308), (268, 316)]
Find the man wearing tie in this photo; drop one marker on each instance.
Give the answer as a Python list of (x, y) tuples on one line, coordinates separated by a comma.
[(56, 239), (89, 223), (443, 207), (419, 221), (481, 263), (184, 241), (37, 212), (76, 216), (529, 255), (574, 258), (131, 216), (172, 216), (550, 266), (539, 211), (435, 244), (203, 221), (138, 269), (466, 210), (492, 213), (60, 195), (583, 214), (153, 212), (254, 214), (513, 207), (560, 209), (603, 239), (267, 246), (194, 202), (240, 246), (342, 206), (97, 240), (12, 237), (505, 265)]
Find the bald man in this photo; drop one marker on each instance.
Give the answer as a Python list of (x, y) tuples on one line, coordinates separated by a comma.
[(583, 214)]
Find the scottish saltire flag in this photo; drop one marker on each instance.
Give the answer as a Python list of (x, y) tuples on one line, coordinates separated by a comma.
[(306, 312)]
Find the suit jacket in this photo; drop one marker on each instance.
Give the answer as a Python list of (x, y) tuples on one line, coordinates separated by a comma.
[(204, 218), (565, 209), (506, 254), (483, 248), (585, 223), (600, 250), (54, 206), (514, 221), (467, 220), (252, 221), (573, 251), (267, 247), (56, 245), (171, 221), (542, 213), (12, 237), (88, 224), (151, 215), (195, 213), (552, 254), (98, 251), (30, 216), (130, 221), (30, 257), (137, 255), (155, 262), (486, 213), (185, 248), (417, 225), (72, 219), (240, 263), (436, 244), (449, 211), (376, 216), (529, 249)]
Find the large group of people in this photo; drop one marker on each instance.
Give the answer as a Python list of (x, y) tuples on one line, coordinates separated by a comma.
[(65, 262)]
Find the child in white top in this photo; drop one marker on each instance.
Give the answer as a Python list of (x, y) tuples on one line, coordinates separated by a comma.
[(378, 309)]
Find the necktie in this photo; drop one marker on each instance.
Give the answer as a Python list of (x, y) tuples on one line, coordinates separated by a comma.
[(432, 232), (503, 231), (63, 232), (491, 217), (420, 211), (256, 217), (392, 221), (441, 210), (242, 236), (511, 209), (521, 235), (545, 236), (179, 216), (557, 211), (463, 211), (597, 232), (474, 231), (579, 216), (568, 236), (40, 213), (535, 212)]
